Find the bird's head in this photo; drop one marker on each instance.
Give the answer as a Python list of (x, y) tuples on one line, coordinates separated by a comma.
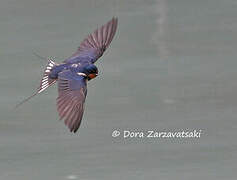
[(91, 71)]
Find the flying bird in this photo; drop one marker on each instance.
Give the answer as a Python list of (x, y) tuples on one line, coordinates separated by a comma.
[(73, 74)]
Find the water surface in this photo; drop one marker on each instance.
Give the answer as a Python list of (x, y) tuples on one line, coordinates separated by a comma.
[(172, 66)]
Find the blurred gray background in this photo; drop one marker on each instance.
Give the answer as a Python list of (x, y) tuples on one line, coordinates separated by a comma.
[(172, 66)]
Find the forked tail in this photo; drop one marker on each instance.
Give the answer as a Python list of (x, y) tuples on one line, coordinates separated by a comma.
[(44, 83)]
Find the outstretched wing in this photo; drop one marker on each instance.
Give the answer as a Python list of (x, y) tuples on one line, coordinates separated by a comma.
[(93, 47), (71, 98)]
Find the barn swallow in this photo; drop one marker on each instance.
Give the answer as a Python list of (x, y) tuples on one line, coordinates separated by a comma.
[(73, 74)]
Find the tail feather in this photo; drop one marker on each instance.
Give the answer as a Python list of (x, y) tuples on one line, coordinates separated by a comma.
[(44, 83)]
